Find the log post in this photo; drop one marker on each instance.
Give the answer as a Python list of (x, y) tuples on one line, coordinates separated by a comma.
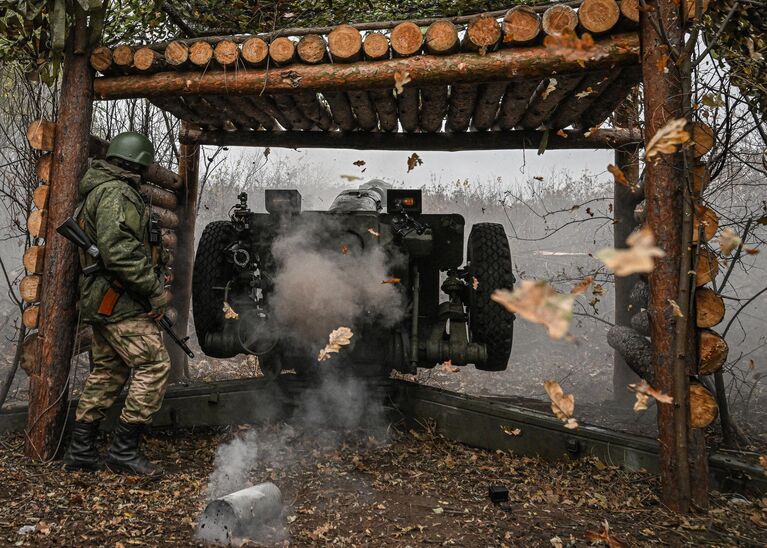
[(58, 316), (188, 164)]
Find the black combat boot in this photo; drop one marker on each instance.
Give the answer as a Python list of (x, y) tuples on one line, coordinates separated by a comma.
[(82, 453), (125, 457)]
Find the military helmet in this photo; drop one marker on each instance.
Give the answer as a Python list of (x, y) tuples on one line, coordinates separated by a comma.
[(133, 147)]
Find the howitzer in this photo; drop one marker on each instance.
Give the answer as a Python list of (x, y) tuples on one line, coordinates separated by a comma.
[(72, 232)]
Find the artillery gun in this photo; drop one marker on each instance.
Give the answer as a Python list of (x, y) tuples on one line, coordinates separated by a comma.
[(447, 313)]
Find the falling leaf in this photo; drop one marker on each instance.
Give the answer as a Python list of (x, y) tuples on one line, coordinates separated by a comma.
[(267, 152), (538, 178), (374, 232), (511, 431), (563, 405), (676, 311), (474, 283), (763, 463), (549, 88), (620, 178), (538, 302), (359, 163), (582, 286), (351, 178), (751, 251), (229, 312), (644, 391), (562, 133), (637, 258), (344, 249), (571, 423), (598, 289), (728, 241), (338, 338), (448, 367), (569, 41), (585, 93), (413, 161), (400, 79), (391, 281), (667, 138), (605, 537)]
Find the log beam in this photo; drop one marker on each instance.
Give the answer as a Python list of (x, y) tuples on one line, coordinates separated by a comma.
[(505, 64)]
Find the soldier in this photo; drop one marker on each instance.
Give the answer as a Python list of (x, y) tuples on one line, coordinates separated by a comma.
[(127, 341)]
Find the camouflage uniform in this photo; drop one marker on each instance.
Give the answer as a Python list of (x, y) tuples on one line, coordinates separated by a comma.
[(126, 342)]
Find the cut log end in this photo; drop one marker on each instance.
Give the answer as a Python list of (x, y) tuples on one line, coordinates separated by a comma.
[(282, 50), (34, 259), (703, 408), (406, 39), (521, 25), (29, 288), (559, 19), (709, 307), (255, 51), (700, 178), (146, 59), (40, 196), (101, 58), (376, 46), (441, 38), (598, 16), (706, 217), (122, 56), (703, 137), (707, 268), (483, 32), (630, 10), (712, 350), (345, 43), (692, 8), (41, 134), (36, 223), (43, 169), (201, 53), (30, 316), (226, 53), (176, 53), (312, 49)]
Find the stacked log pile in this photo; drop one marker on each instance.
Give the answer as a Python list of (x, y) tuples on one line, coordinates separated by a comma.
[(633, 342), (161, 190), (321, 79)]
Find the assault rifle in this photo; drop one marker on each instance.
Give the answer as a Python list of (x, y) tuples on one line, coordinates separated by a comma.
[(72, 232)]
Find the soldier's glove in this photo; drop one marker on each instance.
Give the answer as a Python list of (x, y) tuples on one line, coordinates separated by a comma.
[(159, 305)]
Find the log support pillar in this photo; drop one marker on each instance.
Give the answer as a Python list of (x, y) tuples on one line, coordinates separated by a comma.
[(48, 382), (188, 165)]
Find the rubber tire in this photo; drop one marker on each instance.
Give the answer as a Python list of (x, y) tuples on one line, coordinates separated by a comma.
[(489, 258), (211, 270)]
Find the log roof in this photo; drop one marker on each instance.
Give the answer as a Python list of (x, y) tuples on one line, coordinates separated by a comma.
[(524, 76)]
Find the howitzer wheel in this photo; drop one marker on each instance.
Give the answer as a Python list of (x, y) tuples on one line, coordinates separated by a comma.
[(489, 258), (211, 270)]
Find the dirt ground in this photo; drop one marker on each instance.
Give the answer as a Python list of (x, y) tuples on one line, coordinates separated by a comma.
[(352, 489)]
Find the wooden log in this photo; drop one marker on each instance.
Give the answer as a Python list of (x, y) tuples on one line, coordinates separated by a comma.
[(613, 95), (634, 348), (40, 135), (640, 322), (29, 288), (257, 117), (37, 223), (345, 44), (34, 259), (703, 408), (630, 10), (703, 137), (40, 196), (31, 316), (376, 46), (43, 169), (708, 267), (176, 54), (312, 108), (178, 108), (463, 99), (255, 52), (160, 197), (483, 33), (515, 100), (201, 53), (291, 112), (101, 59), (488, 104), (340, 109), (166, 217), (386, 108), (441, 38), (547, 98), (312, 49), (700, 178), (363, 109), (640, 296), (598, 16), (406, 39), (122, 57), (434, 101), (710, 221), (610, 52), (266, 104), (214, 110), (559, 19), (709, 307), (521, 25), (148, 60), (712, 351), (282, 51), (30, 354), (407, 108), (226, 53), (582, 98)]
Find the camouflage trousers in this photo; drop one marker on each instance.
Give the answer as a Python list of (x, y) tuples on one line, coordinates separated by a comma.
[(134, 346)]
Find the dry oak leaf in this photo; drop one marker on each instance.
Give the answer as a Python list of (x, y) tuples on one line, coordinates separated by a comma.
[(448, 367), (582, 286), (374, 232), (391, 281), (561, 133), (728, 241), (359, 163), (605, 537), (538, 302), (344, 249), (413, 161), (620, 178), (337, 338), (667, 138), (644, 392), (598, 289), (400, 79), (562, 405), (229, 312), (763, 463), (549, 88), (639, 257), (676, 311), (585, 93)]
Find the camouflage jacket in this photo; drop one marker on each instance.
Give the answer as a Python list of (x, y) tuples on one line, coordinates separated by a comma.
[(115, 216)]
